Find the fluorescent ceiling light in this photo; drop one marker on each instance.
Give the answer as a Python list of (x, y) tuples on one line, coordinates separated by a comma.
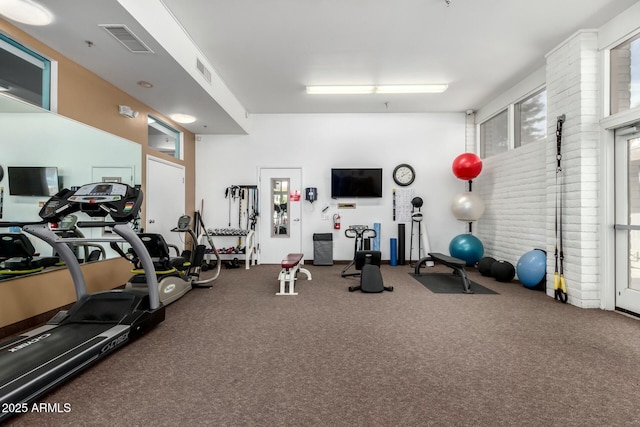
[(26, 12), (386, 89), (337, 90), (182, 118), (430, 88)]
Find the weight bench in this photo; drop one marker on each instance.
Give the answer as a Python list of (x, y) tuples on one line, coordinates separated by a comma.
[(455, 263), (291, 265)]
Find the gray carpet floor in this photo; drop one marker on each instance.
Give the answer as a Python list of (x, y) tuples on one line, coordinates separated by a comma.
[(238, 355)]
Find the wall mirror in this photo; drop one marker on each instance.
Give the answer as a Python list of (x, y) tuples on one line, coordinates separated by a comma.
[(32, 136)]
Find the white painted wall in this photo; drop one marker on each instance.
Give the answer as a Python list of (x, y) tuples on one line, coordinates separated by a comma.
[(318, 142)]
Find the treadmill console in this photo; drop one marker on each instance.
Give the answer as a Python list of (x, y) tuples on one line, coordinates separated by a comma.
[(121, 201)]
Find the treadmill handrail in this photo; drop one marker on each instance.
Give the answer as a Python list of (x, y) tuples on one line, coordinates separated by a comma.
[(7, 224), (95, 224), (64, 251), (132, 237)]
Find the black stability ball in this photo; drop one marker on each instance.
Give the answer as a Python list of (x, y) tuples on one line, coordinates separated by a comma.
[(503, 271), (484, 265)]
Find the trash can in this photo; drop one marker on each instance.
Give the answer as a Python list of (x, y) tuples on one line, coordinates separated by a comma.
[(323, 249)]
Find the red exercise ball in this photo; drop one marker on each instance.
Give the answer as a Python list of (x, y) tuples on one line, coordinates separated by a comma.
[(467, 166)]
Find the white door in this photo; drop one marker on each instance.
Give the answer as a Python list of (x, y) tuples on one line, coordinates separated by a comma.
[(627, 195), (165, 199), (280, 219)]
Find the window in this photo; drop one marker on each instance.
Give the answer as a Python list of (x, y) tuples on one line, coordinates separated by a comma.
[(280, 193), (164, 138), (24, 74), (531, 119), (625, 75), (494, 135)]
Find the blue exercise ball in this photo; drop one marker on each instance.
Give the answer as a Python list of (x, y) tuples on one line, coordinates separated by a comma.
[(466, 247), (532, 267)]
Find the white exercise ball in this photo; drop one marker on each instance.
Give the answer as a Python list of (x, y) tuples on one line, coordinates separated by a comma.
[(467, 206)]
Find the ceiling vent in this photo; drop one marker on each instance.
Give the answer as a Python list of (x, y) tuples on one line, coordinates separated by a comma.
[(124, 35), (203, 70)]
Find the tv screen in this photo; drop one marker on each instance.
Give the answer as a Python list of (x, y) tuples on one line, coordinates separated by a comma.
[(356, 182), (33, 180)]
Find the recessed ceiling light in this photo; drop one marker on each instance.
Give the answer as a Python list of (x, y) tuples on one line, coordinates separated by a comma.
[(182, 118), (26, 12), (145, 84), (370, 89)]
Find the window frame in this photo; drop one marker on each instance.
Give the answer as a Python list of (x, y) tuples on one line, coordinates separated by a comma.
[(48, 67), (164, 127), (482, 143), (613, 84), (517, 119), (512, 126)]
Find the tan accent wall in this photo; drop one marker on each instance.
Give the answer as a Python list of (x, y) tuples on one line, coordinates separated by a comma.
[(87, 98), (30, 296)]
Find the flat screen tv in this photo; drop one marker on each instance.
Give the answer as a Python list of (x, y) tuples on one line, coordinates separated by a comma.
[(356, 182), (33, 180)]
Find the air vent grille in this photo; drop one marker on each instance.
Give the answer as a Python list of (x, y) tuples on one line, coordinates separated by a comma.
[(125, 36), (203, 70)]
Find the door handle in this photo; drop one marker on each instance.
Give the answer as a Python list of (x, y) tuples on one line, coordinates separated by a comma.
[(152, 221), (626, 227), (297, 219)]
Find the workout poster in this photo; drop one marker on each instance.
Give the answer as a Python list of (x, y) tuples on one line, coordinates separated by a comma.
[(403, 204)]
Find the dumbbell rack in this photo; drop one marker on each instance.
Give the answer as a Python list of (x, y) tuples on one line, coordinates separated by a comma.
[(250, 254)]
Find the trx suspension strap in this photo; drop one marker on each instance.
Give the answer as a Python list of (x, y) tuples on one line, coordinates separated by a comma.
[(559, 286)]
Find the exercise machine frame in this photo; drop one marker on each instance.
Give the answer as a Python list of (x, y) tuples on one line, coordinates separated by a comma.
[(97, 324)]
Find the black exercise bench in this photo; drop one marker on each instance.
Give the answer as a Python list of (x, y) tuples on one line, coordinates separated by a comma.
[(455, 263)]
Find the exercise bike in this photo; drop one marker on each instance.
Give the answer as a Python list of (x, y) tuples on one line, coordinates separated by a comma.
[(366, 262), (176, 275), (18, 256), (359, 233), (67, 229)]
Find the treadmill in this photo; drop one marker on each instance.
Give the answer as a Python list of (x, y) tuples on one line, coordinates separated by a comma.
[(97, 324)]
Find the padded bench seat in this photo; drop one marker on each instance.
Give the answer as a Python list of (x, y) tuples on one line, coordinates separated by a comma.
[(455, 263), (291, 265)]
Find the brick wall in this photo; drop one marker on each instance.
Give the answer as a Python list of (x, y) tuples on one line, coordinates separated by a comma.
[(513, 186), (518, 187), (572, 89)]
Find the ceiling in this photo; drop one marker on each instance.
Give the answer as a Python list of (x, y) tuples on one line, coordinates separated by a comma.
[(262, 53)]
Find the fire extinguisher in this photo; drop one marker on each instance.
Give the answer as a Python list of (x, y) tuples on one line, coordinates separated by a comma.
[(336, 221)]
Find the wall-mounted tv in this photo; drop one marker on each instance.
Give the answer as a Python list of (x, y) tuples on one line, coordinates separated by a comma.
[(356, 182), (33, 180)]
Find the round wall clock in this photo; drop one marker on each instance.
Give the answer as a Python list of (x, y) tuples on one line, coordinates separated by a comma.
[(404, 174)]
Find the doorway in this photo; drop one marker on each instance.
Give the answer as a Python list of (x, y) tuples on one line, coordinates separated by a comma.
[(281, 222), (165, 199), (627, 219)]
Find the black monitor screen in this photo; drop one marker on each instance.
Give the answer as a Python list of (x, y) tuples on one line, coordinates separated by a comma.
[(33, 180), (356, 182)]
